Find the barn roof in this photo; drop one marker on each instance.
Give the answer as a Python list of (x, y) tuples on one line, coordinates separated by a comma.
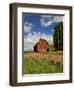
[(41, 41)]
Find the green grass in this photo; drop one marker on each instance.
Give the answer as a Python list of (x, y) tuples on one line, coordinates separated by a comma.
[(39, 63), (56, 52), (41, 66)]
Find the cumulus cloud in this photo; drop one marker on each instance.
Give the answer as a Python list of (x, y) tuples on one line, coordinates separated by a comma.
[(52, 30), (33, 37), (58, 18), (47, 20), (27, 27)]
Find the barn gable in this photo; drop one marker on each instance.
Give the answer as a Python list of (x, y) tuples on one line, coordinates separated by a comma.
[(41, 46)]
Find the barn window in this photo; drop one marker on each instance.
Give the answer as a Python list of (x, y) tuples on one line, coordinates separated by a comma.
[(47, 49)]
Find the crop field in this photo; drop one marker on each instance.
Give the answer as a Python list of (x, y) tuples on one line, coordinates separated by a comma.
[(38, 63)]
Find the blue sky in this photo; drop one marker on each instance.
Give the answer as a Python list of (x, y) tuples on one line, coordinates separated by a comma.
[(38, 26)]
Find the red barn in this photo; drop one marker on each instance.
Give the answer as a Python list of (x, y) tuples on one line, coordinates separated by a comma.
[(41, 46)]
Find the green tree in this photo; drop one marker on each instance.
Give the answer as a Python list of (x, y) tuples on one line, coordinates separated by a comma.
[(58, 36)]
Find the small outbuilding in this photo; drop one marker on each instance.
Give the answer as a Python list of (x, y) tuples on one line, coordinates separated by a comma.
[(41, 46)]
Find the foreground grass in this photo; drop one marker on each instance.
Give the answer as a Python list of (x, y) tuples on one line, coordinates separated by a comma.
[(41, 66), (38, 63)]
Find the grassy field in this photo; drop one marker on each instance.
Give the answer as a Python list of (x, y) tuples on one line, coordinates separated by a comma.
[(38, 63)]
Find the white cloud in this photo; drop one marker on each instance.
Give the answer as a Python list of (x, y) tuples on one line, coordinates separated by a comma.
[(27, 27), (47, 20), (32, 38), (52, 30), (58, 18)]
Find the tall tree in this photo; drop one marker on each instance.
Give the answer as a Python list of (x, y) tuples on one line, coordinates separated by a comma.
[(58, 36)]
